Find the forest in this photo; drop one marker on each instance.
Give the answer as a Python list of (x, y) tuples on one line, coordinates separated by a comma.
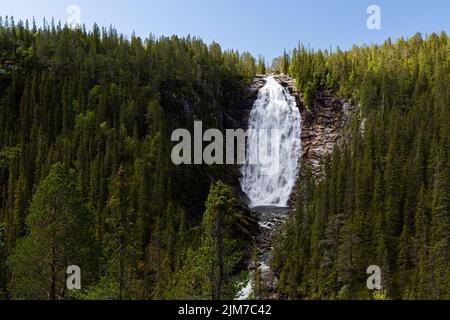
[(384, 198), (86, 176)]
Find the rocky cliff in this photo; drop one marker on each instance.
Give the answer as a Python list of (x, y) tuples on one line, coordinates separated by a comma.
[(322, 123), (322, 129)]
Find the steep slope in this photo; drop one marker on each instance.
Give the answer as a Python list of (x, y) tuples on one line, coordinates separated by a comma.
[(383, 198), (322, 125)]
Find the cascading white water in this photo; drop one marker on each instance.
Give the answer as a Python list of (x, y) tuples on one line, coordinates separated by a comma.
[(275, 110), (269, 182)]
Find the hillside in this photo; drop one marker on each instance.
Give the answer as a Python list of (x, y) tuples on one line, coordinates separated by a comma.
[(87, 178)]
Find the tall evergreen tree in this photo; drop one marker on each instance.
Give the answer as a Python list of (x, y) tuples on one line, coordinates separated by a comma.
[(58, 236)]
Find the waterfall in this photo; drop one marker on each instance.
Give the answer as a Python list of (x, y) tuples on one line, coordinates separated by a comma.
[(275, 125), (274, 140)]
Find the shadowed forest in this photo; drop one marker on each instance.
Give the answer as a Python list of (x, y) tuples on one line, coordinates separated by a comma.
[(86, 176)]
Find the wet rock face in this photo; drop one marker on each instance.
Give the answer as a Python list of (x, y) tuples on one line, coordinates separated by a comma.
[(250, 96), (270, 220), (322, 123), (322, 129), (322, 126)]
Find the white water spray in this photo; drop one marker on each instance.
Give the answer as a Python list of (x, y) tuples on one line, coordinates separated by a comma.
[(275, 110)]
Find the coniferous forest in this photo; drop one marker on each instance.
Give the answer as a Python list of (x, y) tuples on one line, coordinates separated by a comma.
[(385, 196), (86, 176), (86, 170)]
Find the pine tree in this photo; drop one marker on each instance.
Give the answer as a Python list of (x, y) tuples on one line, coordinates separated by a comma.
[(59, 236), (261, 69), (209, 271), (120, 239)]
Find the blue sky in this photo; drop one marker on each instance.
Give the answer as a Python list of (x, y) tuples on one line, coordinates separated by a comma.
[(259, 26)]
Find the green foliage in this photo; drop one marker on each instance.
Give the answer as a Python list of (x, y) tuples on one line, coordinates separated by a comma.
[(104, 290), (384, 198), (106, 105), (285, 63), (261, 68), (7, 155), (59, 235), (380, 296), (210, 271), (281, 64)]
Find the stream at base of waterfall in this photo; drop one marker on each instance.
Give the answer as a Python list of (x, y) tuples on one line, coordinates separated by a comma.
[(275, 109), (270, 220)]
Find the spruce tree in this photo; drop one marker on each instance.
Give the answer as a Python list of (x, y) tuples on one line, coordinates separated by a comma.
[(59, 235)]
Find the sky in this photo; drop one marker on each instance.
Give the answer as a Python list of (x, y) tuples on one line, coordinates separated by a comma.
[(259, 26)]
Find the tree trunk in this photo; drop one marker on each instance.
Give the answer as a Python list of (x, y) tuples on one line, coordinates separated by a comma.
[(52, 294), (218, 270)]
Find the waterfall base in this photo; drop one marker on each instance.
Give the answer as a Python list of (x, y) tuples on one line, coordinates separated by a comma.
[(270, 220)]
